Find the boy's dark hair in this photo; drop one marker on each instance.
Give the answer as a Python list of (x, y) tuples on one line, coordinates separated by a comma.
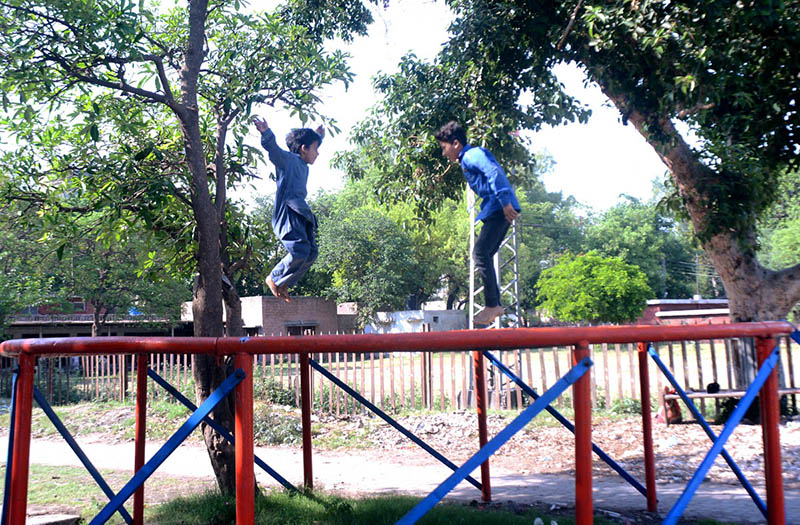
[(299, 137), (450, 132)]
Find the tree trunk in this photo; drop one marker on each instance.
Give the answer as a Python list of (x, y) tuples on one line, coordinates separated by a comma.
[(207, 301), (755, 293)]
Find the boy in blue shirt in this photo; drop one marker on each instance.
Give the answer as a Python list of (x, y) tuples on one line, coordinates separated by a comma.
[(499, 208), (292, 219)]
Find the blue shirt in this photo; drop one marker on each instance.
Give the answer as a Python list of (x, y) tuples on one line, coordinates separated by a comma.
[(486, 178), (292, 177)]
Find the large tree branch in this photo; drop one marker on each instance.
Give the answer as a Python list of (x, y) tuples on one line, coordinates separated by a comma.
[(71, 71)]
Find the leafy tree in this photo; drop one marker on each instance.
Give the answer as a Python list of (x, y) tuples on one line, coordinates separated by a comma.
[(593, 288), (723, 68), (371, 260), (117, 278), (23, 281), (549, 227), (140, 112), (640, 235)]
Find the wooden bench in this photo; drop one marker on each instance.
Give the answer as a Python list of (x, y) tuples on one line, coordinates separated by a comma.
[(702, 394)]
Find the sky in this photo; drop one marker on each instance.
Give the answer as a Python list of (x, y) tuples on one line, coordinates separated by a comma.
[(594, 162)]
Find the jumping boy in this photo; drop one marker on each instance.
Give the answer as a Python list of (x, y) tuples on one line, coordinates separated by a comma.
[(499, 208), (292, 219)]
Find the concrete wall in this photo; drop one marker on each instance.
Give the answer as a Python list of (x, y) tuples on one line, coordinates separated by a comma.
[(407, 321)]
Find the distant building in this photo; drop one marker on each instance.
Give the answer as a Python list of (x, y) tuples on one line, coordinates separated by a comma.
[(407, 321), (685, 312), (265, 316), (46, 321)]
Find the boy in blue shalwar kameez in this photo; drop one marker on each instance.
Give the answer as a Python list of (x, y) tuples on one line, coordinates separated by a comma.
[(292, 219), (499, 208)]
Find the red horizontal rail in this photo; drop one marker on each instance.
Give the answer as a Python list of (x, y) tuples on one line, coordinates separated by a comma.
[(506, 338)]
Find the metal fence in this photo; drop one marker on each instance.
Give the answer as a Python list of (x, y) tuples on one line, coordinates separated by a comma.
[(397, 382)]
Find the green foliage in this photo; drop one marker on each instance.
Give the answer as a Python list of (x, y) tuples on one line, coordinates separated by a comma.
[(626, 405), (371, 260), (780, 226), (122, 164), (593, 288), (271, 427), (267, 389), (641, 235)]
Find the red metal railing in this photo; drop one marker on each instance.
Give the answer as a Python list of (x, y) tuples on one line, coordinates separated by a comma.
[(244, 348)]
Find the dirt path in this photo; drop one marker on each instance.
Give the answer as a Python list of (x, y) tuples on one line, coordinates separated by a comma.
[(410, 471)]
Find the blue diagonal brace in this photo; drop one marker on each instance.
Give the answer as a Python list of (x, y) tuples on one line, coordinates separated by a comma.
[(710, 433), (383, 415), (495, 443), (222, 431), (738, 413), (40, 399), (567, 423), (12, 413), (169, 447)]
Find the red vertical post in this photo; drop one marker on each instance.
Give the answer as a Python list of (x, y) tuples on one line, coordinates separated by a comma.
[(18, 500), (582, 400), (647, 429), (140, 434), (245, 475), (305, 403), (770, 418), (483, 429)]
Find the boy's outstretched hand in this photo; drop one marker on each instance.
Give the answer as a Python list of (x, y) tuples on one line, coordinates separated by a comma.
[(321, 131), (261, 125)]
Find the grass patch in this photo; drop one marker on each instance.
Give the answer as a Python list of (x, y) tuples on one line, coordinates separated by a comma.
[(278, 507), (73, 490)]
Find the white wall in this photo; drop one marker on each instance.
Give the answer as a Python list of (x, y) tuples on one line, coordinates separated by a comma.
[(407, 321)]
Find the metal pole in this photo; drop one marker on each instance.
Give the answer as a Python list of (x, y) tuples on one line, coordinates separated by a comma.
[(483, 431), (305, 400), (140, 433), (472, 305), (582, 399), (647, 429), (22, 440), (770, 418), (243, 431)]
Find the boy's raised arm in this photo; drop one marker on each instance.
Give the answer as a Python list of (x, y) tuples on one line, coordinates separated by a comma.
[(268, 142)]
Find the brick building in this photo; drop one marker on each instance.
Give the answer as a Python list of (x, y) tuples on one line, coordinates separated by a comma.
[(264, 315)]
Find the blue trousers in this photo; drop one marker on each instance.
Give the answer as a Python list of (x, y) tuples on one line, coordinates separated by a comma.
[(300, 241), (488, 242)]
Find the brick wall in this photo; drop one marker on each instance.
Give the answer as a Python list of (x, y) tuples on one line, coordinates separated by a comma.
[(278, 315)]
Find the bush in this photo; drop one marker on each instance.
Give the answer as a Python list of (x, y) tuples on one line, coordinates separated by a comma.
[(267, 389), (274, 428)]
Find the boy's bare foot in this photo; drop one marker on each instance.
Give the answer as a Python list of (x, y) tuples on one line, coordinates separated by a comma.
[(276, 291), (284, 294), (488, 314)]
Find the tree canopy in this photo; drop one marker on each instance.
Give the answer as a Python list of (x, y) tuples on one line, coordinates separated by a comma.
[(723, 68), (136, 112), (593, 288)]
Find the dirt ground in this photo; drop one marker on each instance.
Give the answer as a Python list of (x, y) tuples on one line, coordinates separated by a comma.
[(539, 449), (535, 468)]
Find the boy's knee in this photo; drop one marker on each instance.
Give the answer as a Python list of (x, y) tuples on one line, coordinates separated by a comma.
[(480, 256)]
